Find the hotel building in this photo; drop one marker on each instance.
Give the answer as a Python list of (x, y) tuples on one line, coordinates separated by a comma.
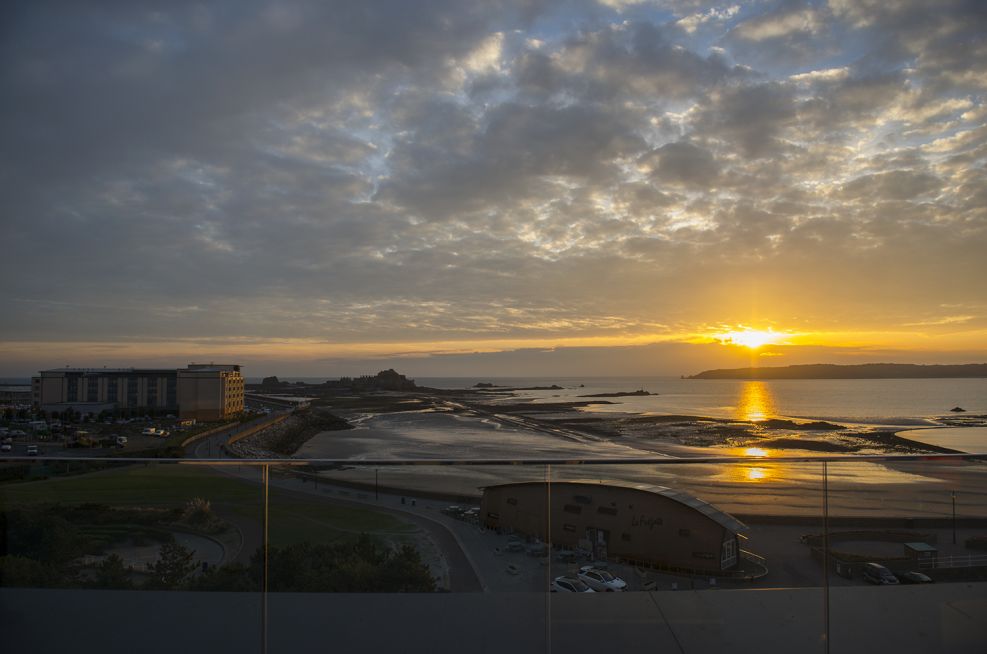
[(204, 392)]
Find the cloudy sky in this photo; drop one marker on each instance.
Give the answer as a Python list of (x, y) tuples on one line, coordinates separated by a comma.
[(460, 187)]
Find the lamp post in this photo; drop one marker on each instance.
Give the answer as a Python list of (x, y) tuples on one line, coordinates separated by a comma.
[(377, 495)]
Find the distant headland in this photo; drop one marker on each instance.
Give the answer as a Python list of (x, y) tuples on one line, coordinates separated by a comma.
[(860, 371)]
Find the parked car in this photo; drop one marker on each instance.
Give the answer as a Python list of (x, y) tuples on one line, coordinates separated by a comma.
[(121, 441), (913, 577), (32, 450), (601, 580), (5, 447), (570, 585), (537, 549), (876, 573)]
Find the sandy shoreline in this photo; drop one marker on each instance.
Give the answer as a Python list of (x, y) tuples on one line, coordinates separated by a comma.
[(402, 426), (571, 426)]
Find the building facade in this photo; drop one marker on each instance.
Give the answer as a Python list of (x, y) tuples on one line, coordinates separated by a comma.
[(208, 392), (201, 391), (651, 525)]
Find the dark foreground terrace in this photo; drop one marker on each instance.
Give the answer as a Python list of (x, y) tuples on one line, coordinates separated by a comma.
[(206, 555)]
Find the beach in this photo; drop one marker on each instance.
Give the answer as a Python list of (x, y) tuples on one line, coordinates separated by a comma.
[(549, 423)]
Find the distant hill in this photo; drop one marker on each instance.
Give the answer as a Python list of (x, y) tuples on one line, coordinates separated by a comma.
[(862, 371)]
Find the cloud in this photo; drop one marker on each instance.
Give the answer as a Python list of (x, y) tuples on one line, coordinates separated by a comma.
[(386, 172), (682, 163), (892, 185), (793, 20), (748, 118)]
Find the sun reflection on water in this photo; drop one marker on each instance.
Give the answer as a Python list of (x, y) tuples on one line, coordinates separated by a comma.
[(757, 474), (756, 402)]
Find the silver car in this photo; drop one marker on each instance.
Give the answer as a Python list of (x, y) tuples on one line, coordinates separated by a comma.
[(569, 585), (601, 581)]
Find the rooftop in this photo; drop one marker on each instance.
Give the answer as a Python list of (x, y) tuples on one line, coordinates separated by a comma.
[(91, 371), (717, 515)]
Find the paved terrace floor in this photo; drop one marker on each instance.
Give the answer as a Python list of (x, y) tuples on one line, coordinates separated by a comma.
[(899, 620)]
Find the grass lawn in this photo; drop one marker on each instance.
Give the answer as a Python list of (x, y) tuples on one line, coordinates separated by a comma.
[(292, 518)]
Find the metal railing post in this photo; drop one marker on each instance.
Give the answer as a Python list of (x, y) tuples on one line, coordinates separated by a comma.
[(826, 554), (548, 566), (265, 477)]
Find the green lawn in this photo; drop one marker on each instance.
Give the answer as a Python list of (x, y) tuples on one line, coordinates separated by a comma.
[(153, 485), (296, 522), (292, 518)]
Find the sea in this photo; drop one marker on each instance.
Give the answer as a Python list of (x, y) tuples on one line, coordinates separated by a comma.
[(880, 402)]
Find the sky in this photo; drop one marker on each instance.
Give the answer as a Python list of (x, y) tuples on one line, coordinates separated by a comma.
[(491, 187)]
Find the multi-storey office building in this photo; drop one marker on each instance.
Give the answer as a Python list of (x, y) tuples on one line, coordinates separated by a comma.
[(201, 391)]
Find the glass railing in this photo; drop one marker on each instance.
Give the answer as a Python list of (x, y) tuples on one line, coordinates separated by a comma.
[(711, 554)]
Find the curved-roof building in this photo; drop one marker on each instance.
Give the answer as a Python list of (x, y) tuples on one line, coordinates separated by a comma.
[(651, 525)]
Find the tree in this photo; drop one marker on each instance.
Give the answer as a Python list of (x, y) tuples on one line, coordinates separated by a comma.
[(44, 536), (173, 568), (357, 567), (112, 573), (232, 577), (22, 572)]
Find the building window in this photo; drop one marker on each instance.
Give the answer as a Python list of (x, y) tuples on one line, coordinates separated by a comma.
[(583, 499), (567, 527), (512, 501), (572, 508), (683, 532), (608, 510), (703, 555), (625, 537), (729, 555)]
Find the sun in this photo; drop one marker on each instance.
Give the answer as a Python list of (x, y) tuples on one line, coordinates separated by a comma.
[(750, 338)]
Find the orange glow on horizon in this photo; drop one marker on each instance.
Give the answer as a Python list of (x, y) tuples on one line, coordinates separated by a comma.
[(782, 346), (751, 338)]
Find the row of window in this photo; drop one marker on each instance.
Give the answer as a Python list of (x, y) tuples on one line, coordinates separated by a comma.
[(625, 537), (577, 510)]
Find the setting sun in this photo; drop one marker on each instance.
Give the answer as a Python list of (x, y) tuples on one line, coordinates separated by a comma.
[(751, 338)]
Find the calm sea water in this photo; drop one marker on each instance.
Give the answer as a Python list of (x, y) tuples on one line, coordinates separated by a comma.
[(896, 402), (860, 401)]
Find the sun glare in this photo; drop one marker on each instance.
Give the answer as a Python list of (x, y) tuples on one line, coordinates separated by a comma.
[(752, 338)]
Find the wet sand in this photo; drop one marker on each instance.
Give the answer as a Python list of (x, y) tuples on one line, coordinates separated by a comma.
[(464, 427), (857, 488), (760, 488)]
